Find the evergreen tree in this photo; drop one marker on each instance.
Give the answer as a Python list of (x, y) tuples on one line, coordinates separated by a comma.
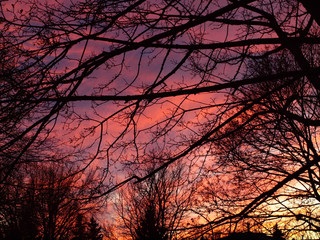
[(277, 233), (94, 230), (149, 226), (79, 231)]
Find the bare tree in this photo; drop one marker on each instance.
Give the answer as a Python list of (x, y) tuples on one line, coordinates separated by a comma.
[(44, 203), (127, 80), (156, 208), (271, 155)]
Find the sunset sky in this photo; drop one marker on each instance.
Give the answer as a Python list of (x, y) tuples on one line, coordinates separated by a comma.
[(118, 92)]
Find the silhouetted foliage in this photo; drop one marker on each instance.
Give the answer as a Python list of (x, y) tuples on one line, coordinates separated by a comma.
[(277, 233), (79, 231), (94, 231), (149, 227)]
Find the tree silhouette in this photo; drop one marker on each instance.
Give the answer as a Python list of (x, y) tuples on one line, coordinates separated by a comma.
[(275, 148), (230, 87), (79, 231), (156, 208), (44, 203), (94, 230), (148, 225), (277, 234)]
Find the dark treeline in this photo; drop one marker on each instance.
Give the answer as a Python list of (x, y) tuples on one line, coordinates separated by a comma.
[(44, 202)]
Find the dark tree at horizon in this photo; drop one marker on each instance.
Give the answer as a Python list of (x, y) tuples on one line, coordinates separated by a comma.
[(94, 231), (44, 203), (155, 208)]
